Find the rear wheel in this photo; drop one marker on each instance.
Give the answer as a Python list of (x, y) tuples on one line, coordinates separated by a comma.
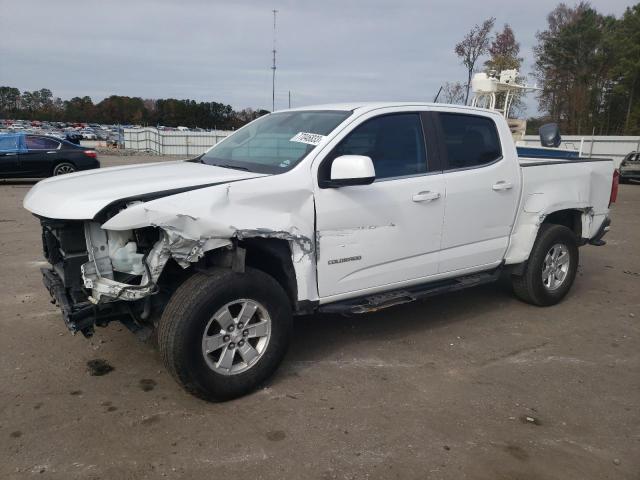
[(63, 168), (223, 334), (551, 268)]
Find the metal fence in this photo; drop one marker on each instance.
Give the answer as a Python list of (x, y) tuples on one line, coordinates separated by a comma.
[(615, 147), (150, 139)]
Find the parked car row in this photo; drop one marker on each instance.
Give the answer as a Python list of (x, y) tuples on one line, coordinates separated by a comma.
[(62, 130), (86, 131)]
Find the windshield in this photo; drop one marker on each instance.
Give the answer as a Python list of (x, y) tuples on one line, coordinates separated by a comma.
[(275, 143)]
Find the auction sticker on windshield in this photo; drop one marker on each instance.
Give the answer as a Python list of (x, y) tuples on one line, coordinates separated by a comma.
[(309, 138)]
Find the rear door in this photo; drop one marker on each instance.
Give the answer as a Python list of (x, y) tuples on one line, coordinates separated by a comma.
[(41, 155), (482, 180), (373, 236)]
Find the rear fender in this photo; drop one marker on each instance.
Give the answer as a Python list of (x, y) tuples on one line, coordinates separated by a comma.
[(528, 225)]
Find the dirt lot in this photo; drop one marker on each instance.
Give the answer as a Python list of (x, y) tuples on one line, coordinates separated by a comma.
[(468, 385)]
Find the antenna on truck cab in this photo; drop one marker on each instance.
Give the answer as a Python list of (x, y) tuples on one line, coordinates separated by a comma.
[(273, 68)]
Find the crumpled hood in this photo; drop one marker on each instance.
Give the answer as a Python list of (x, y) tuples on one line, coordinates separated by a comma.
[(80, 196)]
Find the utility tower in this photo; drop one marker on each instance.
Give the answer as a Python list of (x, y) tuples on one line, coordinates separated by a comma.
[(273, 68)]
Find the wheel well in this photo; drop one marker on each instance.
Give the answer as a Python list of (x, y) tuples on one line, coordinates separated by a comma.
[(572, 219), (269, 255), (273, 257)]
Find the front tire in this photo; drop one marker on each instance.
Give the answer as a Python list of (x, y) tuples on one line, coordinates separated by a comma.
[(222, 334), (551, 268)]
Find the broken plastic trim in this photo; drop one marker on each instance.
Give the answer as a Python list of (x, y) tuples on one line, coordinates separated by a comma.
[(300, 244), (97, 273)]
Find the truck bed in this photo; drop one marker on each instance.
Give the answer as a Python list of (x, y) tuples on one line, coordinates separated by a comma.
[(553, 184)]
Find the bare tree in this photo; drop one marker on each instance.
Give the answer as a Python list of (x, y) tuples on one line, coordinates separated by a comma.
[(472, 47), (453, 93)]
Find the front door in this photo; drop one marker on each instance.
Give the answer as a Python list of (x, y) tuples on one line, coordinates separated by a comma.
[(482, 181), (374, 236), (9, 147)]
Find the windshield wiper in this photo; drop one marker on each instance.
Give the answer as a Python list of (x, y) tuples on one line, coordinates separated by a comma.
[(226, 165)]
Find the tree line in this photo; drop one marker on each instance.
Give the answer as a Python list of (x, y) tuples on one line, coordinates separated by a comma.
[(117, 109), (586, 63)]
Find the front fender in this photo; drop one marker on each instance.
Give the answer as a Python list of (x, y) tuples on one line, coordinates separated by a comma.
[(205, 219)]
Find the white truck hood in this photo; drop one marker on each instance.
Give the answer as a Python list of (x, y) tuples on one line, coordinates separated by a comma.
[(80, 196)]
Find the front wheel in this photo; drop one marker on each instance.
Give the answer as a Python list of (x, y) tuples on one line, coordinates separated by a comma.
[(551, 268), (222, 334)]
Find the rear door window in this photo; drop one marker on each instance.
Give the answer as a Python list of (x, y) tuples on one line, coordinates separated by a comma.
[(41, 143), (469, 140)]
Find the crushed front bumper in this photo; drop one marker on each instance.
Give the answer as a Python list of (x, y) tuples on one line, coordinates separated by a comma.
[(84, 316), (65, 248), (79, 317)]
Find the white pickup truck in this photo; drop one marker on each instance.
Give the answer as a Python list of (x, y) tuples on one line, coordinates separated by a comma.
[(346, 208)]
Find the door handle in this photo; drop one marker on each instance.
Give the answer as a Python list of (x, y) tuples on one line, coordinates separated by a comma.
[(53, 151), (502, 185), (10, 154), (426, 196)]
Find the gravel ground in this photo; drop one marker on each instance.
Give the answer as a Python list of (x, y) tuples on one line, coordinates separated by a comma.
[(469, 385)]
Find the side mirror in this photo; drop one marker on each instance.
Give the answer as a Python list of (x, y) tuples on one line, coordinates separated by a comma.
[(351, 170), (550, 135)]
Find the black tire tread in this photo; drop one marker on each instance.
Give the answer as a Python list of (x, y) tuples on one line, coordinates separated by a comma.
[(525, 286), (186, 300)]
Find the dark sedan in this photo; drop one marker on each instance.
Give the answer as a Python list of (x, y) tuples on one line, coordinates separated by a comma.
[(34, 156)]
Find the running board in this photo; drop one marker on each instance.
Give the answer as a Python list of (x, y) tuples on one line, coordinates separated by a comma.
[(373, 303)]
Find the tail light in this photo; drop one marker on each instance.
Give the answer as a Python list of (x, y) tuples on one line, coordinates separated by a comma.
[(614, 187), (91, 153)]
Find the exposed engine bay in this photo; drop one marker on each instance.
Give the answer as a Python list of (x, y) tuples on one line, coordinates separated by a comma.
[(92, 268)]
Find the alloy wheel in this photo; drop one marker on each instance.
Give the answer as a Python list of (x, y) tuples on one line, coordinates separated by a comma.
[(236, 337), (555, 266)]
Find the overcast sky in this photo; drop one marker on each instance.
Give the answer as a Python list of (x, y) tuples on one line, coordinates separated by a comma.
[(328, 51)]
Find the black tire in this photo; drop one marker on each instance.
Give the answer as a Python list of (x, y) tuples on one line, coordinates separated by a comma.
[(530, 287), (188, 313), (63, 168)]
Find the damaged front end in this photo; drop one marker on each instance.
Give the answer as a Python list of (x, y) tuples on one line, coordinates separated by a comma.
[(125, 261), (98, 276)]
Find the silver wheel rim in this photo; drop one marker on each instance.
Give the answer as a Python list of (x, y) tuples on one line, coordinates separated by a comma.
[(555, 267), (236, 337), (62, 169)]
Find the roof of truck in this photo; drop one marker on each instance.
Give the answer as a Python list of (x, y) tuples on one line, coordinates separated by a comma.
[(367, 106)]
